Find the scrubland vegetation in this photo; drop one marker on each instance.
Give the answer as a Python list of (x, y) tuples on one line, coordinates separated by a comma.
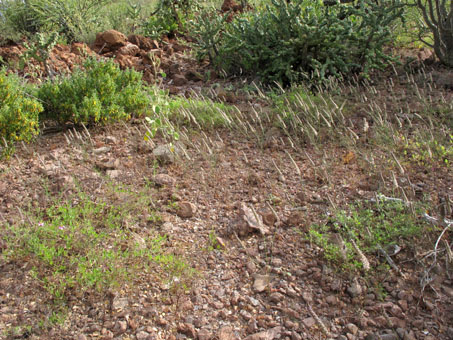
[(324, 116)]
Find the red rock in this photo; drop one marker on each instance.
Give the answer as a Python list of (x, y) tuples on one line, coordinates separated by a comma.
[(111, 38), (129, 49)]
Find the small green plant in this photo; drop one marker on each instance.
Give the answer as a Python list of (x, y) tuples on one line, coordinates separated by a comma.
[(78, 244), (171, 16), (368, 225), (40, 49), (213, 243), (98, 94), (18, 113), (201, 113)]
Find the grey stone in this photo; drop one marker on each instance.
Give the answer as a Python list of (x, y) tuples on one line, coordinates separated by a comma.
[(167, 153)]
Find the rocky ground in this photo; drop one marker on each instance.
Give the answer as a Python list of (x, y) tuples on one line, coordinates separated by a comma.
[(243, 211)]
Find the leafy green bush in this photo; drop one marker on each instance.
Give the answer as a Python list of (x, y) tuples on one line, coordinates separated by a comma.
[(18, 113), (99, 93), (290, 41), (169, 17)]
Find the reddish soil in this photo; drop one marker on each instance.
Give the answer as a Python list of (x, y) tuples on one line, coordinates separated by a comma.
[(272, 286)]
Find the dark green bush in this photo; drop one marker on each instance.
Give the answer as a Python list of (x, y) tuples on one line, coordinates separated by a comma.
[(287, 42), (171, 16), (18, 112), (99, 93)]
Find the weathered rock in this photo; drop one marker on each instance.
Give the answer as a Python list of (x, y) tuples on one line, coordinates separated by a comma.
[(187, 329), (167, 153), (261, 282), (186, 209), (351, 328), (129, 49), (164, 180), (179, 80), (332, 300), (226, 333), (309, 322), (273, 333), (111, 38), (248, 221), (204, 334), (142, 335), (354, 289)]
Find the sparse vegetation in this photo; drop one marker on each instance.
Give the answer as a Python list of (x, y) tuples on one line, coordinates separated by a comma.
[(78, 244), (300, 140), (372, 226)]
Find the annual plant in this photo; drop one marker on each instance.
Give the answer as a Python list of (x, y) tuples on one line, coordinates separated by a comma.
[(369, 226), (98, 93), (18, 112)]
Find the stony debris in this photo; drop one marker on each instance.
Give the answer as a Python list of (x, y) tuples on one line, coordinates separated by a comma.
[(164, 180), (168, 153), (248, 221), (186, 209), (270, 334), (261, 282), (355, 289)]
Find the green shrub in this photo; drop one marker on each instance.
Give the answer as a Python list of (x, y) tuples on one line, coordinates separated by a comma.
[(169, 17), (99, 93), (288, 42), (18, 113), (17, 18)]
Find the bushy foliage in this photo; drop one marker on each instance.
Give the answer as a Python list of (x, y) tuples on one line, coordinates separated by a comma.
[(72, 19), (169, 17), (290, 41), (18, 112), (16, 18), (99, 93)]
